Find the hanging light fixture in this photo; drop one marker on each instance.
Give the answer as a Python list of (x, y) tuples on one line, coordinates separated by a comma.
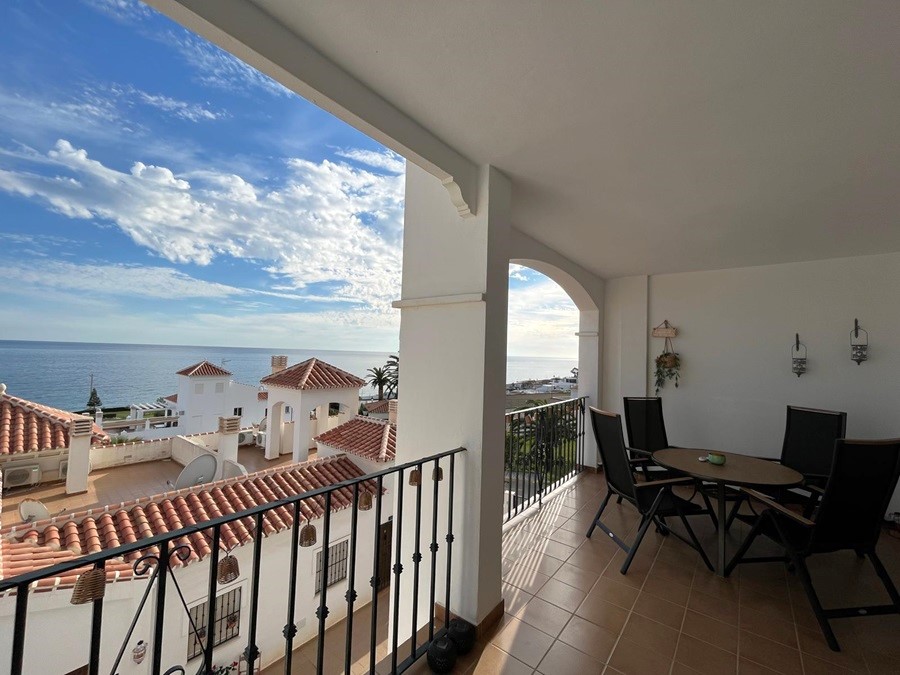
[(798, 356), (415, 477), (859, 344), (89, 586), (228, 569), (365, 501), (437, 473), (308, 535)]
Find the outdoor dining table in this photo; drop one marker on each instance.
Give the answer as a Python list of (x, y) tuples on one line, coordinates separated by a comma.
[(738, 470)]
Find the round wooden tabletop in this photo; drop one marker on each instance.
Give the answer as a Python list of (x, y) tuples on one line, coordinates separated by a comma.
[(737, 469)]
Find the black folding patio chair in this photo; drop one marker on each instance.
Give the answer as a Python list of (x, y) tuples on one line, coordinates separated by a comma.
[(654, 500), (848, 517), (808, 448)]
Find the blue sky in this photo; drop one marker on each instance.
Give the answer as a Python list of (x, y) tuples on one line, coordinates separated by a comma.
[(153, 188)]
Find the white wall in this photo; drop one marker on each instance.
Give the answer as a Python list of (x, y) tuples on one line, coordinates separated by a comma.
[(624, 341), (736, 328), (105, 456)]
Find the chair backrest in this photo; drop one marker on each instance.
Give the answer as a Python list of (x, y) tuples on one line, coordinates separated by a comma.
[(611, 444), (862, 481), (644, 421), (809, 437)]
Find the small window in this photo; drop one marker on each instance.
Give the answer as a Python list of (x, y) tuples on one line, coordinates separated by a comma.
[(334, 409), (238, 412), (337, 564), (228, 622), (220, 387), (198, 388)]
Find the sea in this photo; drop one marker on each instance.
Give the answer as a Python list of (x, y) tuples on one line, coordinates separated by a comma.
[(59, 374)]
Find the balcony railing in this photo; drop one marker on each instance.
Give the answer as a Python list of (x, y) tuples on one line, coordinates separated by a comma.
[(544, 448), (156, 560)]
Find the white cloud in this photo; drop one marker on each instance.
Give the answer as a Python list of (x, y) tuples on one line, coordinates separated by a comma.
[(388, 160), (542, 319), (327, 223), (121, 10)]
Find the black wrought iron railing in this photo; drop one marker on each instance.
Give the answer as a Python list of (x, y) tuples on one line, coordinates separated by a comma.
[(156, 560), (544, 448)]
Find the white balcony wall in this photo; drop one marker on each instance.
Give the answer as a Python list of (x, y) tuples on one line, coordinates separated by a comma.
[(736, 328)]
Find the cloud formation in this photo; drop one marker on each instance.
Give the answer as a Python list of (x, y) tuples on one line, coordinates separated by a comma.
[(326, 223)]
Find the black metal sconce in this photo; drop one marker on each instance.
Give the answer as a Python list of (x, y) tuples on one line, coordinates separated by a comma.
[(859, 346), (798, 356)]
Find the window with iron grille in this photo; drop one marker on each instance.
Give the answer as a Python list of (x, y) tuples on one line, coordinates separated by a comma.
[(238, 412), (227, 626), (337, 564)]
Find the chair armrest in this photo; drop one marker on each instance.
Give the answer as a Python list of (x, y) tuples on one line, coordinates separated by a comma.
[(814, 488), (775, 506), (684, 480), (638, 451), (641, 460)]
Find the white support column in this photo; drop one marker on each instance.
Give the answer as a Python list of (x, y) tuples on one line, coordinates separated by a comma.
[(453, 348), (589, 356), (228, 439), (80, 432), (274, 425)]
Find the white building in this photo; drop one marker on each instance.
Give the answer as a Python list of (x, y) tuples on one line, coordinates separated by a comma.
[(39, 443), (206, 392), (372, 442), (36, 545), (317, 396)]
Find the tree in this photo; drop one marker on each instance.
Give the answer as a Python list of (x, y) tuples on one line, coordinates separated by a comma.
[(94, 401), (378, 378), (392, 369)]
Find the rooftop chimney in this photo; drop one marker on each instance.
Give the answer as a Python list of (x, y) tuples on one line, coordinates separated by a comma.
[(279, 363), (392, 411)]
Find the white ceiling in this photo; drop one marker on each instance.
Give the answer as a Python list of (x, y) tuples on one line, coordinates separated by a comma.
[(648, 137)]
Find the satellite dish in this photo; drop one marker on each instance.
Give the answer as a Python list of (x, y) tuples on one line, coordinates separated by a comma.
[(31, 510), (233, 469), (198, 471)]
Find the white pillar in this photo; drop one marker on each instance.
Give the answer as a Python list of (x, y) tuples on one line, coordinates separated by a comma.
[(453, 348), (80, 432), (228, 439), (274, 425), (589, 358)]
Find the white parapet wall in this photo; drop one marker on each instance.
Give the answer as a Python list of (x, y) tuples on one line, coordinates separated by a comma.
[(185, 449), (106, 456)]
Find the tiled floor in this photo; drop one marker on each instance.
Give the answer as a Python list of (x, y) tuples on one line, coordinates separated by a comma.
[(118, 484), (570, 612)]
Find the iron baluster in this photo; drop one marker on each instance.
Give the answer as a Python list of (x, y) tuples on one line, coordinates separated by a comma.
[(434, 549), (159, 620), (252, 652), (351, 581), (376, 578), (398, 570), (211, 600), (417, 559), (96, 627), (18, 648), (290, 629), (449, 539), (322, 612)]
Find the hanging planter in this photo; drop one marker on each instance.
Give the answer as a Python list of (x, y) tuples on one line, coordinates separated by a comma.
[(668, 366)]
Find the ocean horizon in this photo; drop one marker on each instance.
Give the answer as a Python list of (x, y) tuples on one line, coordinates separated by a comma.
[(58, 374)]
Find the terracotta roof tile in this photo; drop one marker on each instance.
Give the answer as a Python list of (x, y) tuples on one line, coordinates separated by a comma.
[(262, 396), (26, 426), (314, 374), (171, 397), (204, 369), (372, 439), (24, 548), (378, 407)]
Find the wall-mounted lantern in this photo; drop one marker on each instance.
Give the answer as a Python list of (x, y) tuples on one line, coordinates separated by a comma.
[(859, 343), (798, 356)]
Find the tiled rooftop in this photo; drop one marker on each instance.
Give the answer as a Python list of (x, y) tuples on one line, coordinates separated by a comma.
[(313, 374), (26, 426), (26, 547), (204, 369), (378, 407), (375, 440)]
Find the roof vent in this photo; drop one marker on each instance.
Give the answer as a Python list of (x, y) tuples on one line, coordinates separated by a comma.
[(81, 426), (229, 425), (279, 363)]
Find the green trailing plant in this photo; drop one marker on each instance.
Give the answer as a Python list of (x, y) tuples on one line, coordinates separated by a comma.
[(668, 367)]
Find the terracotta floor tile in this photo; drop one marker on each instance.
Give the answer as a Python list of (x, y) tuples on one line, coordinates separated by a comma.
[(577, 577), (770, 654), (563, 659), (554, 549), (653, 635), (746, 667), (717, 608), (662, 611), (813, 665), (614, 592), (705, 628), (704, 657), (661, 588), (561, 595), (523, 642), (633, 658), (532, 560), (851, 656), (494, 661), (514, 597), (784, 632), (589, 638), (544, 616), (573, 539), (528, 580), (589, 560), (604, 614), (773, 608), (673, 573)]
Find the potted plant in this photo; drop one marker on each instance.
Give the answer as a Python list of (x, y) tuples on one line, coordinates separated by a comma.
[(668, 365)]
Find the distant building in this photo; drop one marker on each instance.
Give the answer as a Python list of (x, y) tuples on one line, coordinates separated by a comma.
[(372, 442), (39, 443)]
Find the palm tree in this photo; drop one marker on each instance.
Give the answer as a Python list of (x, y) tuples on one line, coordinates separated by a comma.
[(392, 369), (378, 378)]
